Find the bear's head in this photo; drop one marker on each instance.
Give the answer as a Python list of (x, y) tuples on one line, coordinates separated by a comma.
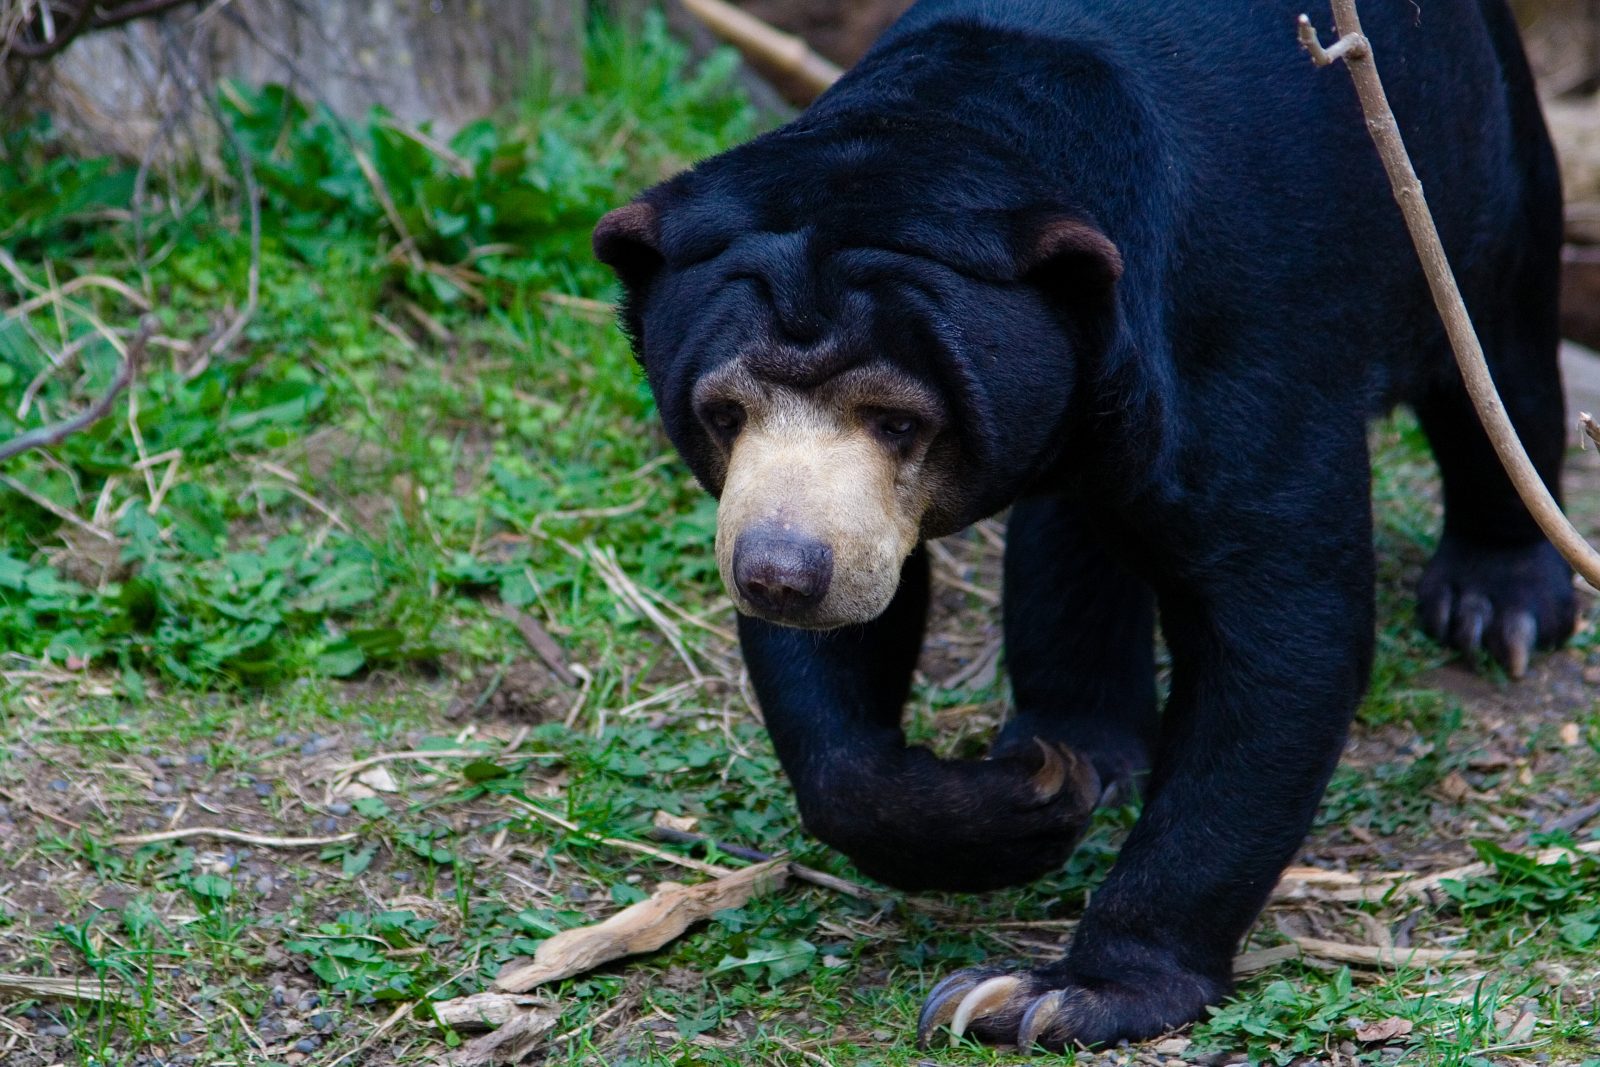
[(853, 356)]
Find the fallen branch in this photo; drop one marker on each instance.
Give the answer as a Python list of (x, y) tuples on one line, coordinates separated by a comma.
[(43, 37), (56, 432), (784, 52), (220, 834), (485, 1011), (1354, 48), (641, 927), (514, 1041)]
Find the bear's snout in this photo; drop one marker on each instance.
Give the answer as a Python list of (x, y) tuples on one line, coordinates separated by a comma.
[(782, 575)]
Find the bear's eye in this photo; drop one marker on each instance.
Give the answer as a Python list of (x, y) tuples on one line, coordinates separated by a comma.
[(725, 420), (895, 427)]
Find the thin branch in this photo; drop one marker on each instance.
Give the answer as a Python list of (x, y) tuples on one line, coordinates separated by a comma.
[(1357, 54), (56, 432), (783, 51)]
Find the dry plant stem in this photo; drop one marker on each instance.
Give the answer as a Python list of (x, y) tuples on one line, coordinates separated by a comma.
[(31, 986), (1356, 51), (56, 432), (221, 834), (786, 52)]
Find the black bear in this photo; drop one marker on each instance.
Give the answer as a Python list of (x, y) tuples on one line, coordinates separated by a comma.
[(1132, 269)]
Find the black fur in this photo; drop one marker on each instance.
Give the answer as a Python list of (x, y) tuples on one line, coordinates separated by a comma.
[(1190, 435)]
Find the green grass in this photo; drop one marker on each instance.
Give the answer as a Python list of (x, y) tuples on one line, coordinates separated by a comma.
[(323, 543)]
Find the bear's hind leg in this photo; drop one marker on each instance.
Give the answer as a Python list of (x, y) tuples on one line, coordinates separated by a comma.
[(1079, 641), (1495, 581)]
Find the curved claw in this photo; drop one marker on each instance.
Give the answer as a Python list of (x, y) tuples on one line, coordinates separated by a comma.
[(1519, 632), (1052, 774), (983, 1000), (946, 998), (1040, 1018), (1473, 613)]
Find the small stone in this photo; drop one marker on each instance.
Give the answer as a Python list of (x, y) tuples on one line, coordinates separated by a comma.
[(309, 1000), (308, 1044), (59, 785), (1172, 1046), (166, 762), (403, 877), (339, 807), (280, 996), (162, 789), (262, 789), (183, 1037), (265, 886), (53, 1030), (325, 824), (197, 759), (322, 1021)]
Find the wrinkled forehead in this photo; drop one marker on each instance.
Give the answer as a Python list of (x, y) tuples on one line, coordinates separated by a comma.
[(747, 381)]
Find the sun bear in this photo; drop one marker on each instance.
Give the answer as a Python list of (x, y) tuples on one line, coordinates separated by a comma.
[(1131, 269)]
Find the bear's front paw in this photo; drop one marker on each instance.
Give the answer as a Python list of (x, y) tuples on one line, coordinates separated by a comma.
[(1054, 1009), (918, 822), (1508, 600)]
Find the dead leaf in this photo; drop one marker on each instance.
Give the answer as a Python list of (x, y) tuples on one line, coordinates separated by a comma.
[(641, 927), (1383, 1030), (684, 824), (1454, 788), (378, 778), (1516, 1025)]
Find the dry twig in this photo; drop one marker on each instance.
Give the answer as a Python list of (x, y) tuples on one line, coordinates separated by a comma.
[(56, 432), (1354, 48), (222, 834)]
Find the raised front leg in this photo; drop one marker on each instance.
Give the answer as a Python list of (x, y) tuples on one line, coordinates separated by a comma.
[(1080, 642), (832, 703), (1271, 651)]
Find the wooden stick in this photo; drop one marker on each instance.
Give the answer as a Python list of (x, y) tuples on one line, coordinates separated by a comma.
[(784, 51), (1356, 51)]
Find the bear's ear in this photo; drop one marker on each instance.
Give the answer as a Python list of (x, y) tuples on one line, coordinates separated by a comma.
[(628, 240), (1070, 256)]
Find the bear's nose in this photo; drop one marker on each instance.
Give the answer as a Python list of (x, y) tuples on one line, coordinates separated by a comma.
[(779, 573)]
